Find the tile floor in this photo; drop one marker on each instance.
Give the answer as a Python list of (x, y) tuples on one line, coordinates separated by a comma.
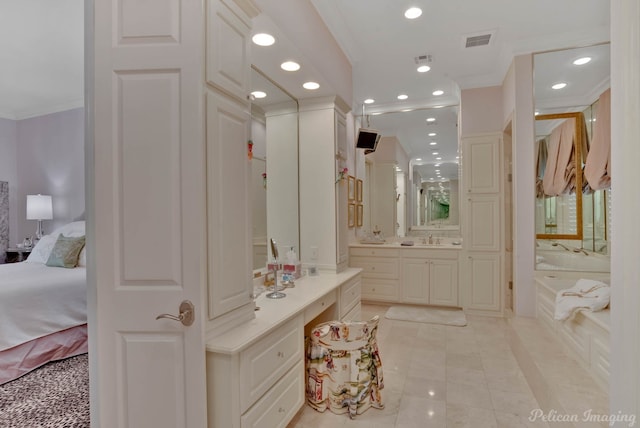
[(475, 376)]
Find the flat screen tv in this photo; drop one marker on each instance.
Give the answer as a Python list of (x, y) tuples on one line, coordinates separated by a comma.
[(367, 139)]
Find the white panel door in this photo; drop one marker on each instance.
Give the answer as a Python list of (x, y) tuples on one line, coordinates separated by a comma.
[(145, 196), (482, 164), (483, 220), (483, 278)]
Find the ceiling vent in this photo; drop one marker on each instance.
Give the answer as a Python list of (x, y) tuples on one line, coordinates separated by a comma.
[(424, 59), (480, 38)]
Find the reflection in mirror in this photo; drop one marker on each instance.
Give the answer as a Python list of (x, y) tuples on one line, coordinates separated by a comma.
[(430, 137), (562, 222), (274, 134)]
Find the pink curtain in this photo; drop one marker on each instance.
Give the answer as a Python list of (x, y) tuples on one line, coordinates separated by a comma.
[(559, 173), (597, 169)]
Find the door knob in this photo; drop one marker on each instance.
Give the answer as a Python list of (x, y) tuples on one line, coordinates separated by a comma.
[(187, 314)]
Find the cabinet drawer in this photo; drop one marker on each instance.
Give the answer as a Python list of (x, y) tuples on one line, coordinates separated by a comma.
[(267, 360), (376, 267), (278, 406), (319, 306), (374, 252), (380, 290), (349, 296), (420, 253)]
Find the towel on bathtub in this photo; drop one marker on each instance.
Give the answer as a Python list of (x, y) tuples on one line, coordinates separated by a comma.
[(586, 294)]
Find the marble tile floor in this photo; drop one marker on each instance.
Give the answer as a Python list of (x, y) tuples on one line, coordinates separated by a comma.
[(490, 373)]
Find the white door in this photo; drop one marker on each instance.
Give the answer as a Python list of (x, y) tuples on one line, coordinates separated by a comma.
[(415, 281), (145, 202)]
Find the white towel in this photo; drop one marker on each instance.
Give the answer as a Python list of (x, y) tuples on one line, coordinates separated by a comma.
[(586, 294)]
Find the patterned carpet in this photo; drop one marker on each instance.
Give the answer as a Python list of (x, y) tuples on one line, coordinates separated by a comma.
[(54, 396)]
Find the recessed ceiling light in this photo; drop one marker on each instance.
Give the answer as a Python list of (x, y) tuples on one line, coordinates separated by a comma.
[(263, 39), (435, 153), (431, 119), (418, 159), (559, 85), (438, 158), (432, 134), (290, 66), (438, 106), (423, 69), (582, 61), (413, 13), (437, 164), (437, 93), (258, 94), (403, 96), (433, 143), (369, 101), (312, 86), (437, 170)]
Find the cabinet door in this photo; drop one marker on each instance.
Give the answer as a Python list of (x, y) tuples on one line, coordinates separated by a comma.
[(483, 220), (443, 283), (415, 281), (483, 277), (482, 164), (228, 210), (227, 65)]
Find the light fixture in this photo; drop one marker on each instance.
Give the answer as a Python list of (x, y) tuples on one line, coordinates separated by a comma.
[(263, 39), (438, 158), (433, 143), (582, 61), (39, 207), (437, 93), (258, 94), (558, 85), (423, 69), (403, 96), (418, 159), (431, 119), (432, 134), (312, 86), (290, 66), (413, 13), (369, 101), (435, 153)]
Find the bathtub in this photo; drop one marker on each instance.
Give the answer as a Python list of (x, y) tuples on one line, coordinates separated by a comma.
[(563, 260)]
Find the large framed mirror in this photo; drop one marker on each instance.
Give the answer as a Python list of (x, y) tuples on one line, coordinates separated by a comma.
[(568, 87), (560, 146), (274, 165)]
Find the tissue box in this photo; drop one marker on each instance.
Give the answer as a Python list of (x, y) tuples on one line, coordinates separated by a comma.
[(293, 269)]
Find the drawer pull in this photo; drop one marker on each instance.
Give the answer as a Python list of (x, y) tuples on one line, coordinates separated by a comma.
[(322, 304), (280, 354), (281, 410)]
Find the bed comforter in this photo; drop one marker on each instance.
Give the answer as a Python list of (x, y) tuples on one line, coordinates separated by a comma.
[(37, 300)]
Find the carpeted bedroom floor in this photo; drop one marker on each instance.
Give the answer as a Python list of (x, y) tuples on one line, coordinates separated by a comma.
[(54, 396)]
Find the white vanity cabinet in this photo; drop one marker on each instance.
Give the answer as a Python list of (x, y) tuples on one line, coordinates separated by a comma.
[(408, 275), (380, 272), (255, 371)]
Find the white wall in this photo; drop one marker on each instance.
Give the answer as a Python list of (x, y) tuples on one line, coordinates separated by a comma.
[(625, 158), (481, 110), (50, 158), (9, 172)]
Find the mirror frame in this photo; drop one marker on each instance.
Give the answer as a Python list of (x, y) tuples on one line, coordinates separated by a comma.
[(577, 158)]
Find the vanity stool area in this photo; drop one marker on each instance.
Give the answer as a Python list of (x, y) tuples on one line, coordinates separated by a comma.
[(255, 372)]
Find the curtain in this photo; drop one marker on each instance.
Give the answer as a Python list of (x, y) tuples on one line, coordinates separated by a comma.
[(597, 169)]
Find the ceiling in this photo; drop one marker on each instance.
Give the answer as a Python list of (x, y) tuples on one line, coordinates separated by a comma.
[(41, 51)]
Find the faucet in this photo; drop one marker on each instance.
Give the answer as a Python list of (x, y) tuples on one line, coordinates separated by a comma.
[(556, 244), (430, 239)]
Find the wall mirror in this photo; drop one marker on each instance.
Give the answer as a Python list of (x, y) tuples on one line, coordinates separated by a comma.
[(274, 166), (567, 85)]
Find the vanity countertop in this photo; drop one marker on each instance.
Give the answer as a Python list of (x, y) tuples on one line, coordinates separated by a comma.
[(446, 244), (275, 312)]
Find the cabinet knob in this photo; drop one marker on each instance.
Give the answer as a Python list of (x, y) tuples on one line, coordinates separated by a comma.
[(280, 354), (281, 410)]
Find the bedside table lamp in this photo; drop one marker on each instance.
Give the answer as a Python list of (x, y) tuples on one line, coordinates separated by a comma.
[(39, 208)]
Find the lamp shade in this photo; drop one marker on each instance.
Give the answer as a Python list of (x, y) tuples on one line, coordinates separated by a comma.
[(39, 207)]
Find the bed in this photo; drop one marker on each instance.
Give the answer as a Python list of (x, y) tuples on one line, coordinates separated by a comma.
[(43, 309)]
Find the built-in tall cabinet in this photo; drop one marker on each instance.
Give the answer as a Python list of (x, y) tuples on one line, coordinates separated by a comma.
[(383, 200), (323, 197), (228, 127), (482, 203)]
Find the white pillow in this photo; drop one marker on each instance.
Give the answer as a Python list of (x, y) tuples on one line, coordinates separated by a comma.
[(42, 250), (72, 230)]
